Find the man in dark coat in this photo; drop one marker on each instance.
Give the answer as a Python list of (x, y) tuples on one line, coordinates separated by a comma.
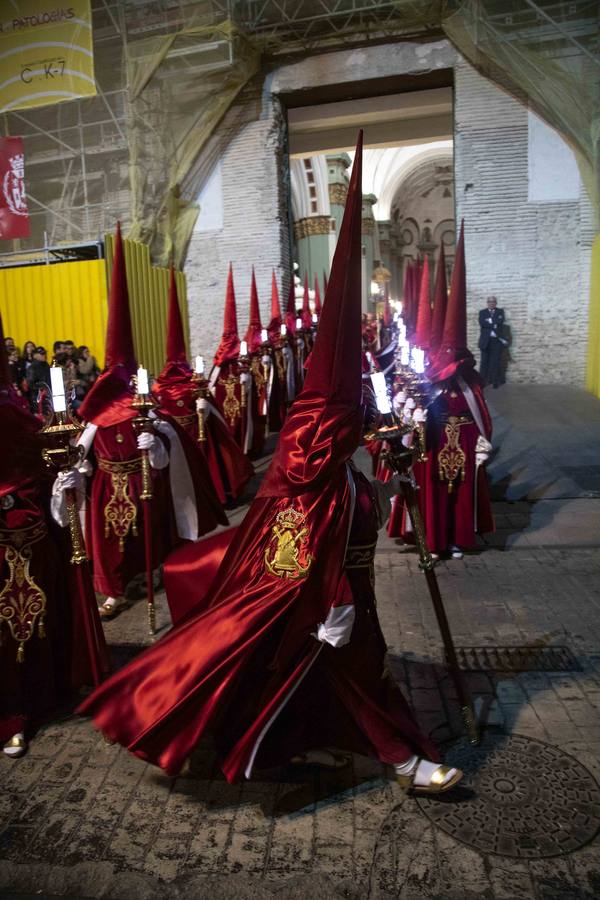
[(491, 342)]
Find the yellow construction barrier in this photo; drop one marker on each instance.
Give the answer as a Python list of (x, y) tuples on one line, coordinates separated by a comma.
[(58, 302), (148, 287), (593, 366), (68, 301)]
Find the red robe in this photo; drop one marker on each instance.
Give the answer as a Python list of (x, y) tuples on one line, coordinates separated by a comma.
[(455, 517), (230, 470), (234, 405), (245, 665), (33, 690), (114, 525)]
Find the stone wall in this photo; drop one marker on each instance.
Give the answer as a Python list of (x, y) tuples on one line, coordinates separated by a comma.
[(534, 256), (254, 230)]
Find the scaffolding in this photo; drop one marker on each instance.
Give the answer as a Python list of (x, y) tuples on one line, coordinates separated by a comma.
[(90, 162)]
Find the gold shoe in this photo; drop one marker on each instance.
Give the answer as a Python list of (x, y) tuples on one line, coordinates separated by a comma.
[(437, 783), (15, 747), (110, 608)]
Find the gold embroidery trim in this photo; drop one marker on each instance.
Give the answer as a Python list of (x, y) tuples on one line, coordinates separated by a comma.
[(22, 601), (451, 458), (257, 373), (286, 555), (360, 556), (231, 404), (120, 513)]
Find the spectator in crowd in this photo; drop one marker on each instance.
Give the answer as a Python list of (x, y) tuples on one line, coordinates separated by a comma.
[(491, 342), (39, 369), (87, 367)]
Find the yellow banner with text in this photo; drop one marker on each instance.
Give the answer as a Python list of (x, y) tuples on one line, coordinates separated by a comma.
[(46, 52)]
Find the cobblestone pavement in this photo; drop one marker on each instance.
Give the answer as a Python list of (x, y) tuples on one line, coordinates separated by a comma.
[(79, 817)]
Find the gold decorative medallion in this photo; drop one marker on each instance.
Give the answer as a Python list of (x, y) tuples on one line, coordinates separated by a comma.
[(451, 458), (231, 405), (286, 555), (257, 373)]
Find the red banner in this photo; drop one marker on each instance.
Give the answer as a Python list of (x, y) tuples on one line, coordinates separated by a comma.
[(14, 215)]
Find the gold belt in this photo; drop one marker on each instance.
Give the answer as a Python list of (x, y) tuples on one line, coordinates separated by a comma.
[(120, 513), (463, 419), (120, 467), (22, 601), (360, 556)]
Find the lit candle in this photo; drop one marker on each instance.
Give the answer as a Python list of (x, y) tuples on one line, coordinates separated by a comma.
[(283, 331), (369, 357), (264, 336), (418, 357), (59, 401), (298, 323), (244, 348), (142, 381), (315, 318), (404, 355), (199, 365), (381, 395)]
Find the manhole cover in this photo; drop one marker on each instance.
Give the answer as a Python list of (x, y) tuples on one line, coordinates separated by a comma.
[(519, 797)]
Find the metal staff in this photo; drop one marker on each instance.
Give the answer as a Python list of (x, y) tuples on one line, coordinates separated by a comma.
[(60, 455), (400, 460), (143, 403)]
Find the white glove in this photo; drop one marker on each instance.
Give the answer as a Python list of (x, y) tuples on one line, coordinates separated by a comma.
[(483, 449), (72, 480), (85, 467), (203, 407), (146, 441), (157, 452)]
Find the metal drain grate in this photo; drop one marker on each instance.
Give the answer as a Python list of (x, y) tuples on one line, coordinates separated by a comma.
[(517, 659)]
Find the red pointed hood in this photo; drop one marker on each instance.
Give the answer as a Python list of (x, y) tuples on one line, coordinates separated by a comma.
[(274, 327), (290, 312), (109, 399), (229, 348), (324, 425), (440, 301), (176, 351), (318, 306), (306, 314), (453, 351), (254, 326), (422, 332)]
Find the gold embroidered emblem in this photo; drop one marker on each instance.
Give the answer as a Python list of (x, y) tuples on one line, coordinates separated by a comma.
[(120, 513), (231, 405), (280, 363), (22, 601), (286, 555), (257, 373), (451, 458)]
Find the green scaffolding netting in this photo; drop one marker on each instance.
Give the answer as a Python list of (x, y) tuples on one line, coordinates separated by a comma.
[(169, 72)]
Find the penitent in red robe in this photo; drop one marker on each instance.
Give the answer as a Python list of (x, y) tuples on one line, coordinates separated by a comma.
[(452, 517), (37, 598), (229, 468), (245, 666)]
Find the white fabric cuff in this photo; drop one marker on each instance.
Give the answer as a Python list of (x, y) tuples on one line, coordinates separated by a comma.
[(337, 628)]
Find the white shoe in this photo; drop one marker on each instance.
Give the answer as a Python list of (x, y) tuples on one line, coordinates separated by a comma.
[(16, 746), (425, 777), (456, 552), (111, 607)]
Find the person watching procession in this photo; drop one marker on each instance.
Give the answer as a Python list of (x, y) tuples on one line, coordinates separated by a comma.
[(491, 342)]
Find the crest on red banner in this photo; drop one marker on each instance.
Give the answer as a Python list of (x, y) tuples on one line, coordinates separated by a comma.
[(14, 215)]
